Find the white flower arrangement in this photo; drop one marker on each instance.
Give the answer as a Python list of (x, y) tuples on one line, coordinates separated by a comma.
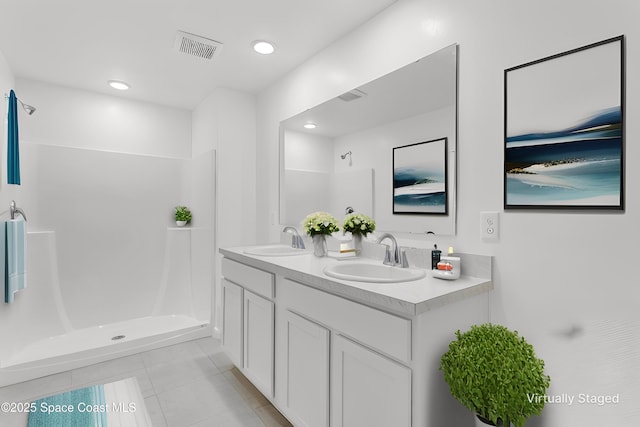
[(320, 223), (359, 224)]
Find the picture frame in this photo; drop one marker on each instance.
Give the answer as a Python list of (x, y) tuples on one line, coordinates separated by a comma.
[(564, 130), (420, 178)]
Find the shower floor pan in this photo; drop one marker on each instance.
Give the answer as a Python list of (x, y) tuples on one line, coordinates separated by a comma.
[(105, 341)]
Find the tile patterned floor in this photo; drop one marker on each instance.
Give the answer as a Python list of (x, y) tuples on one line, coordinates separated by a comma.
[(192, 384)]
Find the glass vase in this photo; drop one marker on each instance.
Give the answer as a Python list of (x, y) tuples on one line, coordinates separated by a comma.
[(319, 245), (357, 242)]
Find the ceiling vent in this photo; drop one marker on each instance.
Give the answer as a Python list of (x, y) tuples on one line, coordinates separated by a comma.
[(352, 95), (196, 45)]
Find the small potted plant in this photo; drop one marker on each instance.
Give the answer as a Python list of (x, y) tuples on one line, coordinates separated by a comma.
[(318, 225), (183, 216), (495, 373), (358, 225)]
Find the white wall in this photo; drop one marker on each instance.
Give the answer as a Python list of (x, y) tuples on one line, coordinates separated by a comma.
[(77, 118), (552, 279), (308, 152), (225, 122)]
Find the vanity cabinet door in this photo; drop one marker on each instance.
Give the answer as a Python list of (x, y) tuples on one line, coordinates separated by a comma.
[(368, 389), (232, 335), (307, 376), (258, 341)]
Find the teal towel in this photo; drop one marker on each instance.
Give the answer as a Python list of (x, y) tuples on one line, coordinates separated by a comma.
[(3, 261), (45, 415), (15, 272), (13, 150)]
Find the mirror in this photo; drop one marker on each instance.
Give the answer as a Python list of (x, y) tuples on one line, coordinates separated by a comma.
[(346, 160)]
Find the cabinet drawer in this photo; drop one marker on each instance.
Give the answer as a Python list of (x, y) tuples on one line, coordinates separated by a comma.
[(385, 332), (257, 281)]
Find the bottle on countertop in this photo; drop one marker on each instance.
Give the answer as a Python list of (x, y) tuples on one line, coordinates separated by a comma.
[(435, 257)]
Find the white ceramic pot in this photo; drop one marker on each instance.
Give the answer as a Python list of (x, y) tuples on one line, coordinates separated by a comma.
[(481, 423), (181, 223)]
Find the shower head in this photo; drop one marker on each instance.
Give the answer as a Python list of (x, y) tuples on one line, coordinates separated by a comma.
[(30, 109), (344, 156)]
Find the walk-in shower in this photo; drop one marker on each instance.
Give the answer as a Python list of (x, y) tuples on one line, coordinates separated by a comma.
[(109, 274)]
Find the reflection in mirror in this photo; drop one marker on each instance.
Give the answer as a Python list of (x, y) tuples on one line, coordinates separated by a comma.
[(345, 159)]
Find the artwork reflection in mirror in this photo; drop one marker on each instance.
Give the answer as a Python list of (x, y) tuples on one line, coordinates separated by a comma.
[(420, 178), (413, 104)]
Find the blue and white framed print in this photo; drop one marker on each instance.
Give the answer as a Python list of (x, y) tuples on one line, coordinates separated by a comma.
[(564, 130), (420, 178)]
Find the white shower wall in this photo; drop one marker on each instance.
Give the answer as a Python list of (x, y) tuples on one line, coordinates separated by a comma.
[(110, 213), (105, 173)]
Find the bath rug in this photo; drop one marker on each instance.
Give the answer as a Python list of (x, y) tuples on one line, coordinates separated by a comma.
[(116, 404)]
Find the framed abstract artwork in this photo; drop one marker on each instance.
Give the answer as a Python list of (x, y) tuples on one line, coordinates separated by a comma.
[(420, 178), (564, 130)]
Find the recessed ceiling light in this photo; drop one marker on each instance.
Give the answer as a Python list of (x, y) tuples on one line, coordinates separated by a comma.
[(310, 126), (117, 84), (264, 47)]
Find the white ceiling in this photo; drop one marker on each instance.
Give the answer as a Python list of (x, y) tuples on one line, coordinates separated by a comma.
[(83, 43)]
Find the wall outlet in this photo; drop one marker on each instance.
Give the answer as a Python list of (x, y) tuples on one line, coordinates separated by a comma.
[(489, 223)]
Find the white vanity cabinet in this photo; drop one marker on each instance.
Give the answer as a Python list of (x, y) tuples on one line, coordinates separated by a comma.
[(336, 358), (330, 353), (248, 322)]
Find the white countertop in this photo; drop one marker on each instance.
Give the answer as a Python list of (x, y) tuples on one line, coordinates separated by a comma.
[(406, 298)]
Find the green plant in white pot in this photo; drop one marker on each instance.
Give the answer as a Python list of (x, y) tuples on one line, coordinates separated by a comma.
[(183, 215), (495, 373)]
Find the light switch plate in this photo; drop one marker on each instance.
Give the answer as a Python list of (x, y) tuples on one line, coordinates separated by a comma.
[(490, 225)]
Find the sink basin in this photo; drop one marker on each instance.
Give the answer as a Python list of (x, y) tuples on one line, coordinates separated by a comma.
[(377, 273), (275, 250)]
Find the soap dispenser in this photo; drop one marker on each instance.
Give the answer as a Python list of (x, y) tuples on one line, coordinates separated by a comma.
[(435, 257)]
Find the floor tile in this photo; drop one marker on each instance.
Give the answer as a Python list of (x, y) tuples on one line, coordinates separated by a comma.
[(200, 399), (13, 419), (193, 384), (170, 375), (248, 391), (210, 346), (99, 372), (36, 388), (271, 417), (155, 412), (166, 355), (232, 419), (222, 361)]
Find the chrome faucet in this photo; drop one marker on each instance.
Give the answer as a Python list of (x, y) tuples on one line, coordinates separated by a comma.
[(296, 240), (394, 255), (13, 210)]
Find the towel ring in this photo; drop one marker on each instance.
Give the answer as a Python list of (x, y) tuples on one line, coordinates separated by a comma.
[(15, 210)]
